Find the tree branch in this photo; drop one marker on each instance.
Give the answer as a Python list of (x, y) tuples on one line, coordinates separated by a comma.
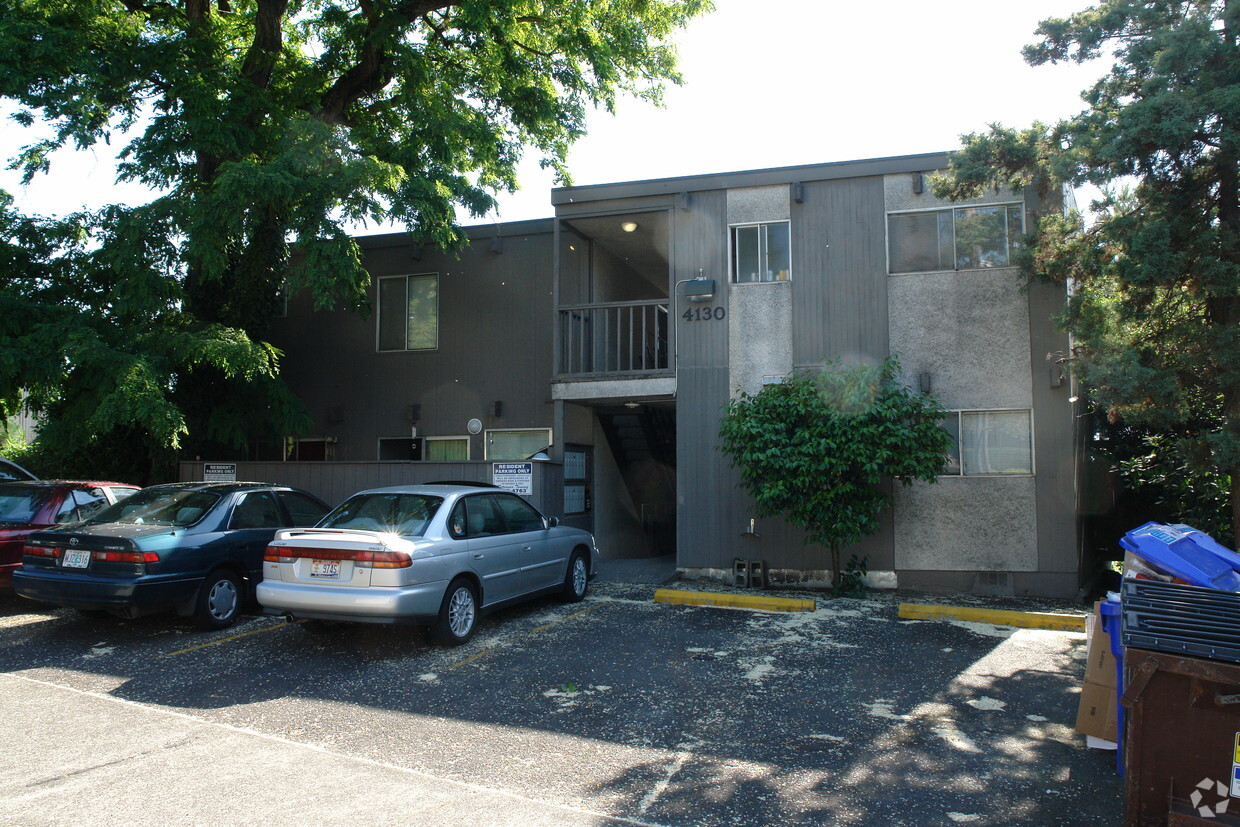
[(371, 72)]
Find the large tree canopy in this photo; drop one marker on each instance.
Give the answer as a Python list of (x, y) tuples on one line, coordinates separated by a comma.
[(266, 128), (1156, 308)]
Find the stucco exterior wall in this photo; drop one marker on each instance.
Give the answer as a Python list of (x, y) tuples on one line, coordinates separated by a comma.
[(967, 524), (760, 335), (969, 329)]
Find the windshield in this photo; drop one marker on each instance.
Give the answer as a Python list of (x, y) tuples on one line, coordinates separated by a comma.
[(19, 503), (403, 514), (159, 506)]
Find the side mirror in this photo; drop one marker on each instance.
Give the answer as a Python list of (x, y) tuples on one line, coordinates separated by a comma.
[(552, 522)]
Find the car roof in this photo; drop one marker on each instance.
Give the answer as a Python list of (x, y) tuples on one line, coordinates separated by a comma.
[(63, 483), (219, 487), (439, 489)]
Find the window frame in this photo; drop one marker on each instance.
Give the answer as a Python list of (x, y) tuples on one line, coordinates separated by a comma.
[(954, 209), (733, 274), (959, 413), (486, 447), (448, 438), (379, 316)]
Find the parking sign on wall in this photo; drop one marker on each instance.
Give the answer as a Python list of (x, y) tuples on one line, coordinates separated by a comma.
[(517, 477)]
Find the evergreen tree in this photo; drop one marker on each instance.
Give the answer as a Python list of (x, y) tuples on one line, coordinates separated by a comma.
[(1156, 307)]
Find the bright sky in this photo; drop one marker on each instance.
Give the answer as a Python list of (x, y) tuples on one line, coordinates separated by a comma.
[(767, 84)]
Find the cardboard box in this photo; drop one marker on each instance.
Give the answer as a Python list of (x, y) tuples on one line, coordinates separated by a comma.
[(1098, 714), (1100, 662)]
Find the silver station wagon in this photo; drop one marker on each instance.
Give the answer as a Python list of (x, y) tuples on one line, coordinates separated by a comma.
[(436, 555)]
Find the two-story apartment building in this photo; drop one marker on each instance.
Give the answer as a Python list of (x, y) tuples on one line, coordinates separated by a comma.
[(611, 337)]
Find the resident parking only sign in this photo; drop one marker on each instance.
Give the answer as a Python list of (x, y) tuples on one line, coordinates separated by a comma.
[(517, 477), (219, 471)]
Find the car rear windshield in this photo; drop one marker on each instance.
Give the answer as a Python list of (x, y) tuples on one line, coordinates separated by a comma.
[(403, 514), (19, 503), (159, 506)]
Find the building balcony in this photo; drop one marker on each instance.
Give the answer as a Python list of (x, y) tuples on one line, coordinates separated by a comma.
[(614, 340)]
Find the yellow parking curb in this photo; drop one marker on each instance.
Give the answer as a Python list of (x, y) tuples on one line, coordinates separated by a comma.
[(998, 617), (735, 601)]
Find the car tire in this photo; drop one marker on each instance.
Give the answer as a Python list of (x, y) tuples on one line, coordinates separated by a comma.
[(219, 600), (458, 614), (576, 580)]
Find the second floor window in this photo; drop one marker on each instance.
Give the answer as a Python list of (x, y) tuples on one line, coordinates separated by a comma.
[(761, 252), (409, 312), (964, 238)]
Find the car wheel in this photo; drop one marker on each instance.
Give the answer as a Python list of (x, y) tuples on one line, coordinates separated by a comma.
[(458, 615), (577, 580), (219, 600)]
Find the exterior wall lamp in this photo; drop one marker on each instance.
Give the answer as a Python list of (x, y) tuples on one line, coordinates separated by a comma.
[(699, 289)]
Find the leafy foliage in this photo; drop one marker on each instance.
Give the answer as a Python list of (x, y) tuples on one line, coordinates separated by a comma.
[(818, 448), (1156, 309), (266, 127)]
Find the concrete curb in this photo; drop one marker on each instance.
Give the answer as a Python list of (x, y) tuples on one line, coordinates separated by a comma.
[(998, 617), (735, 601)]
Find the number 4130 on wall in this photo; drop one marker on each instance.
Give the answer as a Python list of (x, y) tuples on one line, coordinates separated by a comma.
[(704, 314)]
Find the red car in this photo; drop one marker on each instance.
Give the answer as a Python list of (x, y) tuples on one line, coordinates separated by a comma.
[(30, 506)]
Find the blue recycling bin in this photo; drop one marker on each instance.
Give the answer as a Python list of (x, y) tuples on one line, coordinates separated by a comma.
[(1111, 612), (1186, 553)]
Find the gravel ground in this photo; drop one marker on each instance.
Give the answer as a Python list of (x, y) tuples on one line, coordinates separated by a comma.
[(616, 710)]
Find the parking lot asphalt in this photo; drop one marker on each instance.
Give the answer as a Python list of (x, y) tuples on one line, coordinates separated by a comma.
[(616, 710)]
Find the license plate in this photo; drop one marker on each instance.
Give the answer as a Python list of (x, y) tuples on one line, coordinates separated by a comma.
[(75, 559), (325, 568)]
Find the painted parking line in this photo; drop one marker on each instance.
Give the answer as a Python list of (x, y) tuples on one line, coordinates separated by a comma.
[(279, 625), (997, 617), (760, 602), (480, 655)]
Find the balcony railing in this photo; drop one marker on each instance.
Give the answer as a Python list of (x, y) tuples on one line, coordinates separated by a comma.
[(614, 338)]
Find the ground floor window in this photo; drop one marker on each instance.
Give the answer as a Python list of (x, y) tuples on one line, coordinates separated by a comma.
[(309, 449), (447, 448), (520, 443), (989, 443)]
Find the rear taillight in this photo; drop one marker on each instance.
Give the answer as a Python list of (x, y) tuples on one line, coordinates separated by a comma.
[(362, 558), (43, 551), (126, 556)]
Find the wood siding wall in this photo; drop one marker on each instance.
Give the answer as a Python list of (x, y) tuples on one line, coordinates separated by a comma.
[(495, 344)]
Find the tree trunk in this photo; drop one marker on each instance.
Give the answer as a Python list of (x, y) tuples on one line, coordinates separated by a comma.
[(837, 576)]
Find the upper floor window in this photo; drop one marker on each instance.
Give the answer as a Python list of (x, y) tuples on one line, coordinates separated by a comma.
[(409, 312), (990, 443), (761, 252), (962, 238)]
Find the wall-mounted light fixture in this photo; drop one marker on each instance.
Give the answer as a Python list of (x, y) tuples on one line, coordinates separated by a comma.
[(413, 412), (919, 183), (699, 289), (628, 226), (683, 200), (496, 409), (474, 426), (1057, 376), (415, 252), (497, 244), (798, 192), (925, 382)]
